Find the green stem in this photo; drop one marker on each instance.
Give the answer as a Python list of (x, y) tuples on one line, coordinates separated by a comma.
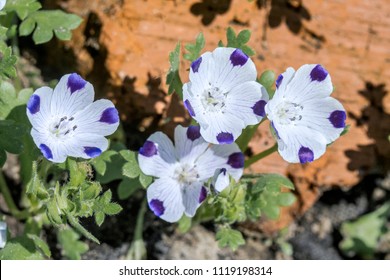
[(137, 250), (261, 155), (139, 226), (20, 215)]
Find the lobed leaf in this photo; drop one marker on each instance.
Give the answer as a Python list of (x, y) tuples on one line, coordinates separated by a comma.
[(231, 238), (45, 24), (72, 248), (173, 77)]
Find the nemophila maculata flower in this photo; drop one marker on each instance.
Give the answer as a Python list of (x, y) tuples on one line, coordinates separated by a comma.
[(2, 4), (223, 95), (303, 115), (183, 170), (66, 121)]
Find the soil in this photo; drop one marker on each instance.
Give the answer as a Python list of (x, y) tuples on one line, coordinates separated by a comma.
[(122, 48)]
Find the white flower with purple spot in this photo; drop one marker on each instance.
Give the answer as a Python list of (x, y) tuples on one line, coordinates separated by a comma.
[(2, 4), (302, 113), (223, 95), (66, 121), (183, 170)]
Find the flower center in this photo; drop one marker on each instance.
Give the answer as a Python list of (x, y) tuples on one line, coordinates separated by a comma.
[(63, 127), (213, 99), (186, 174), (288, 113)]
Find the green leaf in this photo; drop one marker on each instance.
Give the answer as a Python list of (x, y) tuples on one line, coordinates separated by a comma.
[(45, 23), (22, 7), (72, 248), (173, 77), (40, 244), (244, 36), (99, 218), (239, 41), (272, 211), (194, 49), (286, 199), (231, 238), (130, 168), (112, 208), (185, 224), (11, 137), (346, 130), (127, 187), (7, 62), (21, 248), (145, 180), (100, 163), (272, 182), (361, 237), (103, 206), (77, 171), (113, 169), (35, 183), (9, 99), (76, 225), (267, 79)]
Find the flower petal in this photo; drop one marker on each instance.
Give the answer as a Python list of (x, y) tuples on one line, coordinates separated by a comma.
[(71, 95), (217, 157), (221, 128), (247, 102), (311, 81), (326, 116), (231, 67), (221, 179), (38, 108), (99, 117), (51, 150), (189, 144), (193, 196), (165, 199), (86, 145), (300, 144), (157, 156)]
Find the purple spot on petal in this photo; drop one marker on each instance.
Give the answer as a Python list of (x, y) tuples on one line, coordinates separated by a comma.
[(149, 149), (258, 108), (305, 155), (34, 104), (223, 170), (92, 151), (236, 160), (195, 64), (193, 132), (238, 57), (157, 207), (337, 118), (318, 73), (46, 151), (110, 116), (189, 108), (75, 82), (203, 194), (276, 131), (225, 138), (279, 80)]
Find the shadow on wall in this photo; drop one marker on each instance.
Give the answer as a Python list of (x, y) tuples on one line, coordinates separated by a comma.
[(291, 11), (377, 124), (209, 9), (141, 118)]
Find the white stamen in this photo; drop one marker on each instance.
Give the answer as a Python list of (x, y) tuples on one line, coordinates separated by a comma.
[(62, 127), (288, 113)]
